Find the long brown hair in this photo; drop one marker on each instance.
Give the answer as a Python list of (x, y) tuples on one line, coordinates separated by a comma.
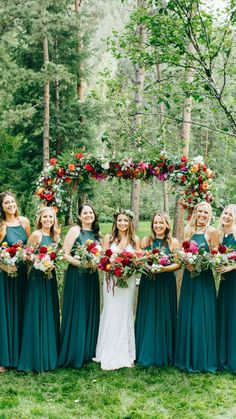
[(115, 234), (232, 209), (191, 227), (3, 195), (168, 235), (54, 230), (95, 225)]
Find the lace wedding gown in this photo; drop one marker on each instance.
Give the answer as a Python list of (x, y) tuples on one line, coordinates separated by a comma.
[(116, 343)]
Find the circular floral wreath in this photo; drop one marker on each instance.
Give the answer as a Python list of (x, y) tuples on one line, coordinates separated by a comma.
[(193, 179)]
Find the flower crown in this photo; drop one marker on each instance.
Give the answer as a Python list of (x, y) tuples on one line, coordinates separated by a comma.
[(124, 211)]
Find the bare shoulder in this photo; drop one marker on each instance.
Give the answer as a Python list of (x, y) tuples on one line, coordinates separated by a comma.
[(23, 220), (73, 231), (35, 237)]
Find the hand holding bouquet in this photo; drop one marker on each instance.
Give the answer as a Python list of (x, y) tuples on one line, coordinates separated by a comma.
[(155, 260), (10, 256), (44, 258), (88, 254), (194, 256), (222, 256)]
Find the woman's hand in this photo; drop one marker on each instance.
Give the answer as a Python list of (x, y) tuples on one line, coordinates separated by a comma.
[(8, 269), (190, 268), (224, 269)]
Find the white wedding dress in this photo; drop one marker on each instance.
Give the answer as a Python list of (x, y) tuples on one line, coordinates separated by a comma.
[(116, 342)]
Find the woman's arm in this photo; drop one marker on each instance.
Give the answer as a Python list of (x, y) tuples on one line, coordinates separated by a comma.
[(137, 244), (26, 224), (213, 237), (35, 238), (69, 241), (144, 242), (106, 242)]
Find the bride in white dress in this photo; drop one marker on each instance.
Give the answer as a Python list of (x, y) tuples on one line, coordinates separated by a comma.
[(116, 341)]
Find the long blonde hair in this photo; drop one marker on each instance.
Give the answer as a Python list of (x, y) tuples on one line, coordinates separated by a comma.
[(191, 227), (115, 234), (232, 208), (54, 230), (168, 235)]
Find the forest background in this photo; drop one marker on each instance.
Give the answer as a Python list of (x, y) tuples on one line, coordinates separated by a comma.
[(118, 79)]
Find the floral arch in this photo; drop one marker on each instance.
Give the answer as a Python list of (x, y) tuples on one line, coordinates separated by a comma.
[(192, 179)]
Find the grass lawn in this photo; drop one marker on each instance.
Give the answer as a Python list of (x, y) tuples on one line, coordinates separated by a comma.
[(127, 393), (143, 230)]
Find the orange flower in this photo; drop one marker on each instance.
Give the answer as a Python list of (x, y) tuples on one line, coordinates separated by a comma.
[(157, 170), (71, 167), (119, 173), (205, 185), (68, 180), (50, 181), (209, 173), (55, 209), (195, 168), (39, 191), (79, 156), (108, 267)]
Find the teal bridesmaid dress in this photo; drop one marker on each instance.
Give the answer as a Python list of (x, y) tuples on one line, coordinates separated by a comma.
[(196, 336), (12, 295), (156, 318), (80, 314), (40, 337), (227, 316)]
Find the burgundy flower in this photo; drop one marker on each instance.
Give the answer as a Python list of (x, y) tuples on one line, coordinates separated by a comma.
[(118, 272), (222, 248), (108, 252), (53, 255), (43, 249)]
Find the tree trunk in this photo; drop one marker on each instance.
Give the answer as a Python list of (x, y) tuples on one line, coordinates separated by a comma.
[(57, 105), (46, 108), (139, 83), (186, 128), (162, 112), (80, 82)]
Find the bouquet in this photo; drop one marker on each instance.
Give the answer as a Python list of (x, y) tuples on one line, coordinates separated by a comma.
[(192, 254), (119, 266), (11, 255), (155, 259), (221, 256), (88, 254), (44, 258)]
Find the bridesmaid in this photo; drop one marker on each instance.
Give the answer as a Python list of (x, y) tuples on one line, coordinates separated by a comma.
[(13, 228), (157, 301), (196, 324), (227, 294), (80, 315), (40, 337)]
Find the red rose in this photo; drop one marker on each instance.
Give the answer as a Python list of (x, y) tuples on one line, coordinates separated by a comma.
[(68, 179), (11, 251), (53, 161), (88, 167), (185, 244), (118, 272), (48, 196), (183, 179), (108, 252), (200, 178), (154, 251), (184, 158), (222, 248), (61, 172), (43, 249), (79, 156), (125, 262), (53, 255), (214, 251)]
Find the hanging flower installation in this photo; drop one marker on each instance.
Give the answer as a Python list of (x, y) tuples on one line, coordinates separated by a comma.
[(192, 178)]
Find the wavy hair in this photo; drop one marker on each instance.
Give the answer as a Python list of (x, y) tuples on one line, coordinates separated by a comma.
[(168, 235), (95, 225), (54, 230), (3, 195), (232, 209), (115, 234), (191, 226)]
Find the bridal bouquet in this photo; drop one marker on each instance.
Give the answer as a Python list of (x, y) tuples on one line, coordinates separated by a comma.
[(119, 266), (11, 255), (88, 254), (192, 254), (221, 256), (44, 258), (155, 259)]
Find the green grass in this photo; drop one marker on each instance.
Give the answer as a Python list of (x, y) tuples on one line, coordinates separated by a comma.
[(143, 230), (127, 393)]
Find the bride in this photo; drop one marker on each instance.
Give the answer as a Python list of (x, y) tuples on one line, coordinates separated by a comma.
[(116, 344)]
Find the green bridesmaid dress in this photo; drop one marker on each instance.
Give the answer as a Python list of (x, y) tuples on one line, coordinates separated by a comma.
[(227, 316), (156, 317), (196, 337), (80, 314), (12, 295), (40, 337)]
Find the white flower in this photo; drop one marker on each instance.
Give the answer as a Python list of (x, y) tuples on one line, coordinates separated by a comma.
[(105, 165), (198, 160)]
